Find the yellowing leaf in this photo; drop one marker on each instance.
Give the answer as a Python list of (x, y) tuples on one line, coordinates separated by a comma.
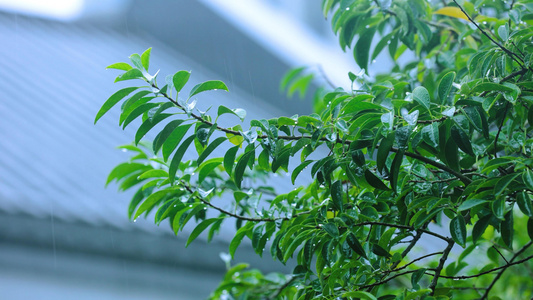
[(235, 139), (450, 11)]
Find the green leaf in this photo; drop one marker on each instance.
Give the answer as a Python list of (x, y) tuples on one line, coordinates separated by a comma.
[(145, 58), (208, 86), (380, 251), (383, 151), (290, 77), (445, 86), (461, 139), (131, 74), (210, 149), (355, 245), (374, 181), (174, 139), (300, 85), (530, 228), (153, 173), (147, 125), (527, 176), (362, 47), (241, 166), (239, 112), (120, 66), (164, 134), (137, 112), (336, 195), (430, 134), (359, 295), (239, 235), (124, 169), (114, 99), (207, 167), (229, 159), (507, 229), (176, 160), (498, 207), (395, 170), (421, 95), (150, 202), (331, 229), (180, 79), (458, 230), (489, 86), (468, 204), (503, 183), (480, 227), (200, 228), (524, 203), (299, 169)]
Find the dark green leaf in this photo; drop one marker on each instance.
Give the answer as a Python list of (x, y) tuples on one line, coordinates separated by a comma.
[(458, 230), (527, 176), (210, 149), (174, 139), (208, 86), (503, 183), (507, 229), (374, 181), (498, 207), (355, 245), (380, 251), (299, 169), (176, 160), (362, 47), (164, 134), (229, 159), (383, 151), (461, 139), (336, 195), (114, 99), (395, 170), (468, 204), (240, 167), (530, 228), (480, 227), (524, 203)]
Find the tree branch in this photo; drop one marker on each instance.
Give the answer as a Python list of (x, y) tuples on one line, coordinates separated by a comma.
[(489, 271), (439, 268)]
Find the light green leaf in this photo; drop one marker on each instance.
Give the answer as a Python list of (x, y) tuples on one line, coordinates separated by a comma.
[(200, 228), (176, 160), (150, 202), (239, 112), (445, 86), (208, 86), (131, 74), (145, 58), (120, 66), (239, 235), (180, 79), (172, 141), (114, 99), (164, 134), (421, 95)]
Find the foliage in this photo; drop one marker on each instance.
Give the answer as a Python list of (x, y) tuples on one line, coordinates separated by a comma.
[(443, 139)]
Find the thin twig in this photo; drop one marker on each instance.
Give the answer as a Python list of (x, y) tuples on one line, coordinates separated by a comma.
[(513, 55), (486, 294), (228, 213), (489, 271)]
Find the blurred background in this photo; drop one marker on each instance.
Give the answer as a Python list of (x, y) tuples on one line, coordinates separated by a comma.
[(62, 234)]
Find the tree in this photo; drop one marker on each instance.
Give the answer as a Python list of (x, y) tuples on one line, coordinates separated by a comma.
[(444, 140)]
